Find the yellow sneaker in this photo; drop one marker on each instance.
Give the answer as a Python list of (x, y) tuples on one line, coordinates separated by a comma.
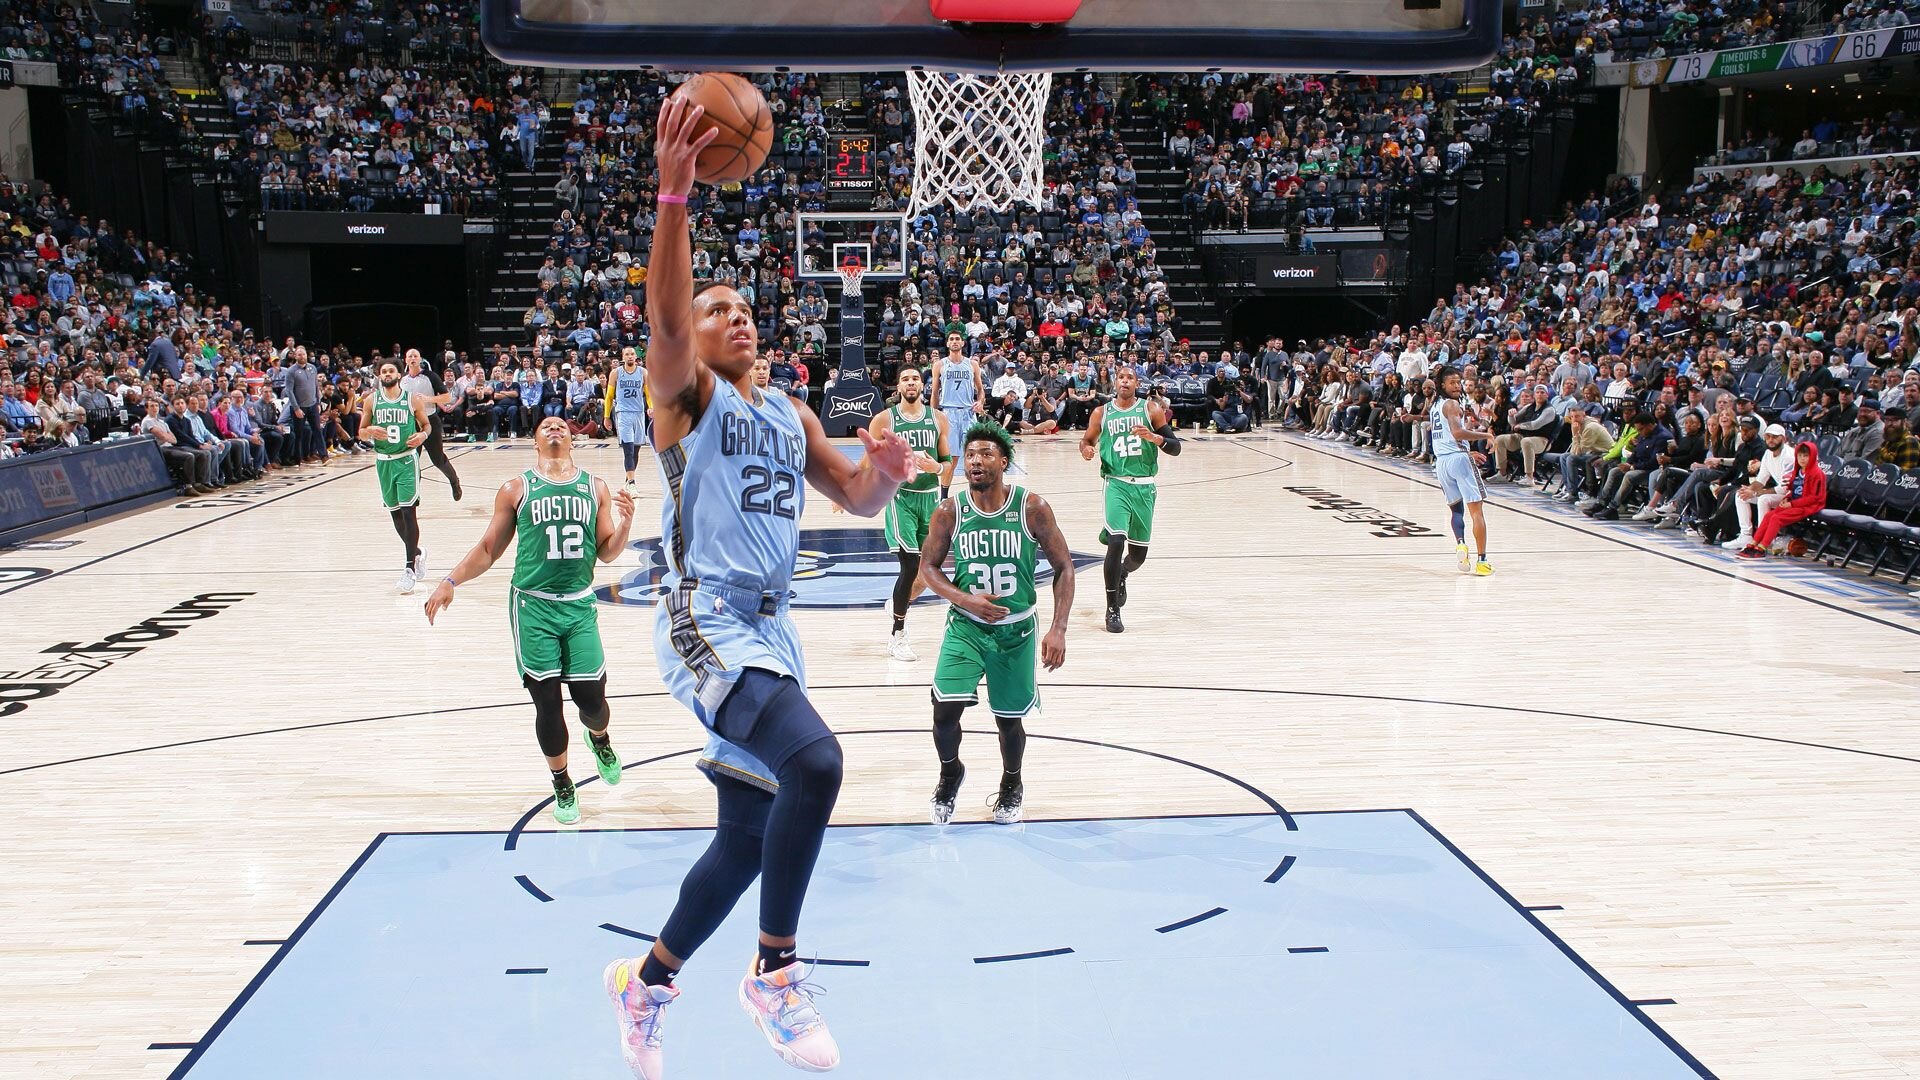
[(1465, 556), (1482, 569)]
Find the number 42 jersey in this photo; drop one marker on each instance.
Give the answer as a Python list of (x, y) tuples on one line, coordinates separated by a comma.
[(735, 486)]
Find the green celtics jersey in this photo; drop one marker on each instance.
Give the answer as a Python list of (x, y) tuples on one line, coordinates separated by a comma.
[(393, 423), (993, 553), (1122, 451), (557, 538), (922, 435)]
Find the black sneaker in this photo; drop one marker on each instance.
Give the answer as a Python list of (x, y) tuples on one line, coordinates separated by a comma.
[(454, 483), (1120, 593), (1114, 626), (944, 794), (1005, 803)]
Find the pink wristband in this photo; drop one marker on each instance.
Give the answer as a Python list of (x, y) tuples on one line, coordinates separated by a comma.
[(666, 198)]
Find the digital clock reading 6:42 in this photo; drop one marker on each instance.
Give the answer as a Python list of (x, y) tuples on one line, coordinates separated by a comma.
[(850, 162)]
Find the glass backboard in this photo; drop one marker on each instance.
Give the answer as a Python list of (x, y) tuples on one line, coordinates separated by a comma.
[(826, 241), (1380, 36)]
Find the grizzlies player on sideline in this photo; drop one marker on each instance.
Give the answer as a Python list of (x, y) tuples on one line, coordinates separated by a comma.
[(731, 465), (960, 392), (911, 510), (565, 519), (627, 405), (397, 423), (1458, 467), (1129, 433), (994, 531)]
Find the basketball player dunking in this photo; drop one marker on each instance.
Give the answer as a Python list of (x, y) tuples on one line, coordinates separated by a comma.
[(1129, 434), (564, 519), (1458, 466), (995, 532), (960, 392), (731, 463), (397, 423), (908, 515)]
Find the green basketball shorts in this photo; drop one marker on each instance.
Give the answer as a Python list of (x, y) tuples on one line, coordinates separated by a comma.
[(1003, 655), (556, 637)]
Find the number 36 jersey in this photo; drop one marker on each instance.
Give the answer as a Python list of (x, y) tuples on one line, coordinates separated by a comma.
[(557, 534), (735, 486)]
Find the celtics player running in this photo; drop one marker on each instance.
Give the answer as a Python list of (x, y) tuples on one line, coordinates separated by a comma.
[(627, 404), (912, 507), (960, 392), (994, 532), (732, 462), (1458, 466), (397, 423), (565, 520), (1129, 434)]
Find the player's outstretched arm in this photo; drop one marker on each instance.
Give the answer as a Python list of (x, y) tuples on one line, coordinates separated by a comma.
[(493, 543), (366, 416), (1162, 434), (1090, 438), (671, 366), (1053, 544), (933, 568), (1456, 423), (614, 522), (864, 488)]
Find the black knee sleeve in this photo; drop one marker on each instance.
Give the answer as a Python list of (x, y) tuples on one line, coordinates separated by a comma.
[(630, 453), (946, 729), (1136, 554), (1013, 742), (549, 719), (903, 585), (591, 699), (1115, 562)]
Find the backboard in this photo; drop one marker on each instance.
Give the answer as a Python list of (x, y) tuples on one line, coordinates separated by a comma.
[(1380, 36), (877, 239)]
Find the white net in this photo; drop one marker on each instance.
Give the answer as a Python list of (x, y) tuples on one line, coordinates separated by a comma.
[(850, 276), (977, 139)]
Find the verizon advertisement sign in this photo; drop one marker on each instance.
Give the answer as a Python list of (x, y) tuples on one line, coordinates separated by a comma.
[(302, 227), (1297, 271)]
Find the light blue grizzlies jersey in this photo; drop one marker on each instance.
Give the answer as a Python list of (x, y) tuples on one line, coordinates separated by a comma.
[(630, 391), (1443, 440), (956, 386), (735, 487)]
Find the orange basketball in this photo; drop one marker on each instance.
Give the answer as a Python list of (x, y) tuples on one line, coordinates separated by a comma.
[(739, 110)]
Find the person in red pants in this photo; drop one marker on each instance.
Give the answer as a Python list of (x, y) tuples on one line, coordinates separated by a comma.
[(1805, 494)]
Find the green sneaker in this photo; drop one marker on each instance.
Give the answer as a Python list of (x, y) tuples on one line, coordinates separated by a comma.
[(606, 760), (566, 805)]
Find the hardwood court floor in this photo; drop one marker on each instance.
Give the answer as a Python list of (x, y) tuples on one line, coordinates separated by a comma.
[(1704, 772)]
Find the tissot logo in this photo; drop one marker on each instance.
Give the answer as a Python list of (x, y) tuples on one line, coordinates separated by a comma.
[(367, 230)]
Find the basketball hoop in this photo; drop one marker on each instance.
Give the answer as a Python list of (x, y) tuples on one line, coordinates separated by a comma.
[(850, 275), (977, 139)]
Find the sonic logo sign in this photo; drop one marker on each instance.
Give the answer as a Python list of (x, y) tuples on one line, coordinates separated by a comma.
[(837, 568)]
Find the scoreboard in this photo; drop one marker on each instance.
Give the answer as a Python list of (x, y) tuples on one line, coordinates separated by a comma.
[(850, 163)]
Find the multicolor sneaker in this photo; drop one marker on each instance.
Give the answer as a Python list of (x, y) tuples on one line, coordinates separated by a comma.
[(604, 759), (566, 805), (639, 1007), (944, 793), (781, 1004), (1464, 555), (1006, 803)]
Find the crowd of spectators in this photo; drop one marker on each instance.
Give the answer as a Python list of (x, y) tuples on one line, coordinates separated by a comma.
[(1618, 30), (1661, 359), (1285, 151), (1076, 274), (1894, 131)]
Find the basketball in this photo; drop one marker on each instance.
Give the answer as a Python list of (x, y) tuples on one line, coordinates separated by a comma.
[(740, 112)]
